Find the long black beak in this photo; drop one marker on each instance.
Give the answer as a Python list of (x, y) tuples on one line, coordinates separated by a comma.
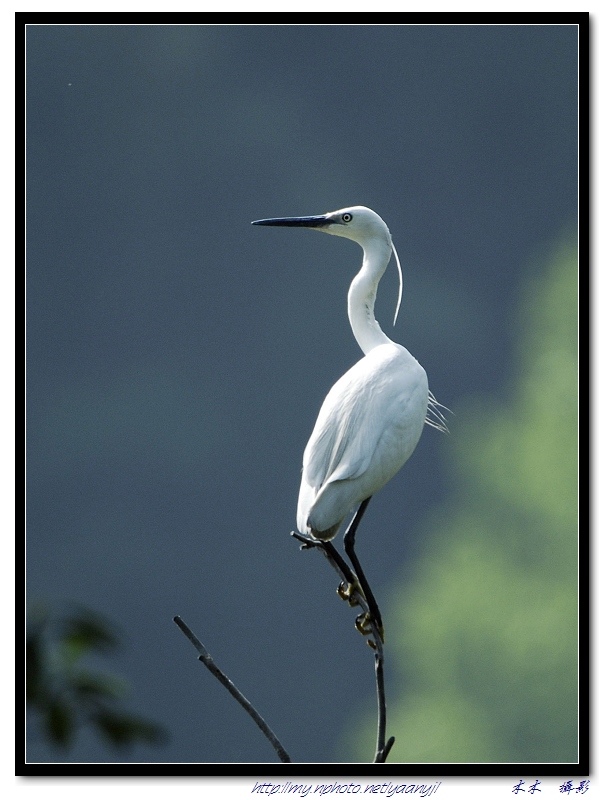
[(296, 222)]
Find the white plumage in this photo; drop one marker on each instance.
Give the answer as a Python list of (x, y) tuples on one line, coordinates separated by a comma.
[(368, 426)]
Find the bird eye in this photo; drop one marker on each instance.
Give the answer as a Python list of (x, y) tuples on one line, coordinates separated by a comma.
[(346, 217)]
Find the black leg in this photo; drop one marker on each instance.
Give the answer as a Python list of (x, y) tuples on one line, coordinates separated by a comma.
[(349, 538)]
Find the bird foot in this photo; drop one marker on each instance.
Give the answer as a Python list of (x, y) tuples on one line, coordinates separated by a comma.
[(348, 591), (364, 625)]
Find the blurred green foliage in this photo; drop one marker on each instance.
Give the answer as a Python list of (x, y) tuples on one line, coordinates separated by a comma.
[(483, 629), (67, 695)]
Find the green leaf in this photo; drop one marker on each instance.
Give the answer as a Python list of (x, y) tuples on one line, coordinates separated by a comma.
[(60, 723), (85, 631), (122, 729), (97, 685)]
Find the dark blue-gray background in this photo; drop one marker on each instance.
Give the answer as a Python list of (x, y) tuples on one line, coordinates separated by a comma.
[(177, 356)]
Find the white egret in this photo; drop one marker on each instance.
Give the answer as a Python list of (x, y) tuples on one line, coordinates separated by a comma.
[(373, 416)]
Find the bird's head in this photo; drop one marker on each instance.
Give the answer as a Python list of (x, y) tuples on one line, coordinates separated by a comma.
[(358, 223)]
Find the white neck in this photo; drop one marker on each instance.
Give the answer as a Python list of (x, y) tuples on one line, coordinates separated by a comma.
[(361, 296)]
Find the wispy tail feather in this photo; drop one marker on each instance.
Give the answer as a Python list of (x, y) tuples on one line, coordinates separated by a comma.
[(435, 416)]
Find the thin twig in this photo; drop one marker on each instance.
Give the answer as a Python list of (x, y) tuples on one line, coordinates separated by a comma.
[(209, 662), (381, 695), (380, 749)]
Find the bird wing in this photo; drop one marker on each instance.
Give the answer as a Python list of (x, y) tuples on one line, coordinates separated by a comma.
[(369, 402)]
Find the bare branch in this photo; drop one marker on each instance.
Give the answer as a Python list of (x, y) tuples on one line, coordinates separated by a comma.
[(382, 747), (209, 662)]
